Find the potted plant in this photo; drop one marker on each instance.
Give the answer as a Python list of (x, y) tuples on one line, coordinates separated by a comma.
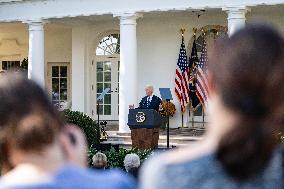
[(169, 109)]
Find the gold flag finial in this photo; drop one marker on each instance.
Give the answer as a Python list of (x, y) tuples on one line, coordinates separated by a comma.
[(182, 30), (194, 32), (203, 32)]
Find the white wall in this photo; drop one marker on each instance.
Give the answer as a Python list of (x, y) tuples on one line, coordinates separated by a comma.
[(13, 42), (58, 43)]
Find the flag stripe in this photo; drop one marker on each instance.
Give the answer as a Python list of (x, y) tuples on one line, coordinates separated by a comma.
[(182, 78), (201, 77)]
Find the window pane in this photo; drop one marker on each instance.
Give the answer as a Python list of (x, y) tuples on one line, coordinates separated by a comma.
[(107, 85), (107, 109), (198, 111), (63, 71), (99, 66), (99, 76), (63, 94), (63, 83), (55, 96), (107, 99), (99, 87), (107, 76), (109, 45), (107, 66), (55, 89), (4, 65), (55, 71), (55, 84)]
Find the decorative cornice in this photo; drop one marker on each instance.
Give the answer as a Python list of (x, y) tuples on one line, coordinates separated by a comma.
[(132, 15), (46, 9), (242, 9), (128, 18)]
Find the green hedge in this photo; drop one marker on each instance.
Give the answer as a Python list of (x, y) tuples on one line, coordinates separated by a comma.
[(86, 123), (115, 159)]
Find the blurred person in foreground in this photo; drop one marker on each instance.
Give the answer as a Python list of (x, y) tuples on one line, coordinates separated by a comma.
[(38, 150), (99, 161), (132, 164), (246, 85)]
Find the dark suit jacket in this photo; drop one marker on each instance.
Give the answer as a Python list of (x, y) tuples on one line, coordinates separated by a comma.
[(154, 104)]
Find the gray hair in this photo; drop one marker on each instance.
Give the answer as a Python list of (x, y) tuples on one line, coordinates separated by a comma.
[(99, 160), (149, 87), (131, 161)]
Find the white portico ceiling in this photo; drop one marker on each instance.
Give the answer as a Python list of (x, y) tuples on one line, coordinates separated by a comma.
[(23, 10)]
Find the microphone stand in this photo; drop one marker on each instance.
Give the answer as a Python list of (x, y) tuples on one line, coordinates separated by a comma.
[(98, 123), (168, 120)]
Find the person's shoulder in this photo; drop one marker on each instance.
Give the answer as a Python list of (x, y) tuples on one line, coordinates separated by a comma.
[(156, 97), (152, 173), (159, 171), (120, 179), (80, 178)]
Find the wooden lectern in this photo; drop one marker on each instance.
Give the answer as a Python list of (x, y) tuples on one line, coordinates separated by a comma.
[(145, 125)]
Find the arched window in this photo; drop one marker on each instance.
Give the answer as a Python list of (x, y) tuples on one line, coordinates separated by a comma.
[(107, 75), (109, 45)]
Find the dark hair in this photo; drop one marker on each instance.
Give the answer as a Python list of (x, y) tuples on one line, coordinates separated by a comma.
[(248, 72), (29, 122)]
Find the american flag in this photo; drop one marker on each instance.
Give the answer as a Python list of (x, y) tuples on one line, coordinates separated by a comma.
[(193, 61), (182, 78), (201, 77)]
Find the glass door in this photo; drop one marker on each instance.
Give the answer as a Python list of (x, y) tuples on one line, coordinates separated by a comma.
[(107, 74)]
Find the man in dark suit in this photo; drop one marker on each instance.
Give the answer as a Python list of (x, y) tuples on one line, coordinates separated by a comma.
[(150, 101)]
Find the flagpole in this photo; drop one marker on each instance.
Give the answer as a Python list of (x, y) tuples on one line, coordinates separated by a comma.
[(194, 37), (189, 113), (203, 116), (181, 120), (182, 30), (192, 122)]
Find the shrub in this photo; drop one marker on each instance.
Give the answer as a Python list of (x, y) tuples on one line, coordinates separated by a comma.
[(115, 159), (86, 123)]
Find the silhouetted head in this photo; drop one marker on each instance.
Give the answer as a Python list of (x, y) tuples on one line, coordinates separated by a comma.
[(247, 73)]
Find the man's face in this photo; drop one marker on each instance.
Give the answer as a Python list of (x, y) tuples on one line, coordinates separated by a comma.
[(148, 91)]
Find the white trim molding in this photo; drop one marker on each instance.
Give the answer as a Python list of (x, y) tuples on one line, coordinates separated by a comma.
[(46, 9)]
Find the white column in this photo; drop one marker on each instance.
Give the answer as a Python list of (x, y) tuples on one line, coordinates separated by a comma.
[(36, 67), (79, 74), (236, 18), (128, 67)]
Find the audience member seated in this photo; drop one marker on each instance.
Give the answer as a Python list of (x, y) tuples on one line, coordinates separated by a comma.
[(99, 161), (38, 150), (246, 107), (132, 164)]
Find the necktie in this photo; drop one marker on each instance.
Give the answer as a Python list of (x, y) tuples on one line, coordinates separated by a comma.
[(148, 102)]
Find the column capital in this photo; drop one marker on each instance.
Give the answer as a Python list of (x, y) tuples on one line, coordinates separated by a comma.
[(236, 11), (35, 24), (128, 18)]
